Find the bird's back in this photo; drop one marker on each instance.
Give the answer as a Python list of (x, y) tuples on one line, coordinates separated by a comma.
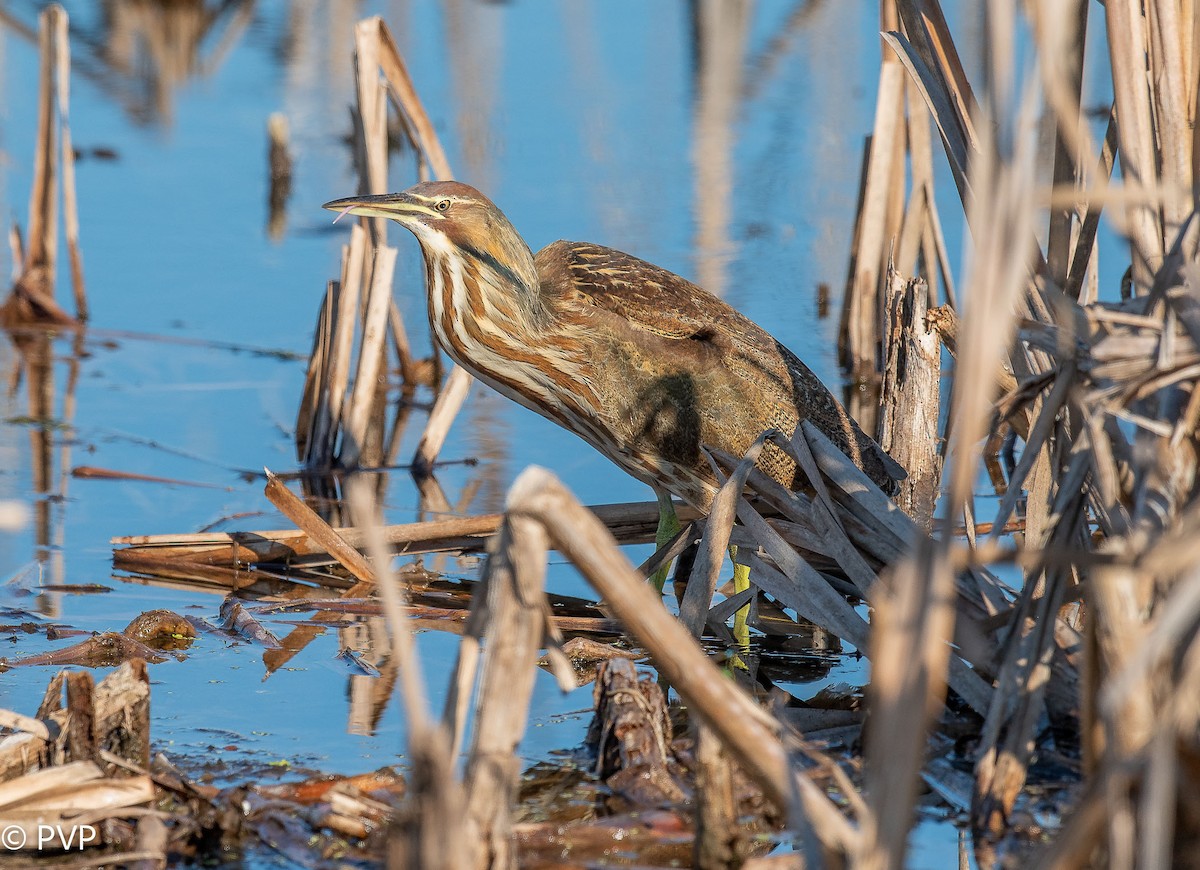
[(676, 367)]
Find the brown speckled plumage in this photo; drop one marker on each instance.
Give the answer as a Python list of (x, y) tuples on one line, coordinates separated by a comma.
[(641, 363)]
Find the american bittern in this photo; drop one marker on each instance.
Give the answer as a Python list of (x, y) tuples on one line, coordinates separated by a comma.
[(640, 363)]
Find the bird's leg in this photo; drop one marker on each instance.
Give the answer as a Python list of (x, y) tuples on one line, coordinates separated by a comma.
[(741, 582), (668, 527)]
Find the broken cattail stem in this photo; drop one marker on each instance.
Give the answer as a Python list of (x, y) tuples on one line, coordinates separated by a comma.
[(445, 409), (859, 341), (430, 831), (911, 396), (514, 619), (749, 733), (317, 529), (372, 357), (693, 607), (62, 85), (43, 208), (404, 93)]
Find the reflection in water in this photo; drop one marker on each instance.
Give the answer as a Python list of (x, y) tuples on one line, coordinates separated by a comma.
[(491, 440), (475, 54), (279, 162), (315, 50), (369, 692), (148, 48), (727, 79), (719, 29), (761, 68), (30, 315), (33, 366)]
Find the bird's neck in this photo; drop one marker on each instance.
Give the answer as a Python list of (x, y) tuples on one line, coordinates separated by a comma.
[(509, 269), (496, 288)]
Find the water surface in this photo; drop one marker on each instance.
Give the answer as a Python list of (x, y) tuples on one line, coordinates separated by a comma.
[(720, 140)]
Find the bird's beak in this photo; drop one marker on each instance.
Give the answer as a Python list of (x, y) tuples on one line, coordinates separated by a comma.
[(397, 206)]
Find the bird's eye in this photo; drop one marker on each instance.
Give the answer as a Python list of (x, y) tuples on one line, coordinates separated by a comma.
[(443, 205)]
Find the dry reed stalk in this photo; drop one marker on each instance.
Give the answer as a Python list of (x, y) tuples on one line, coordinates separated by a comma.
[(1128, 46), (314, 398), (66, 798), (797, 585), (915, 617), (62, 84), (469, 827), (372, 355), (690, 534), (355, 414), (898, 223), (716, 804), (928, 54), (318, 530), (1059, 29), (976, 593), (1029, 678), (441, 417), (694, 605), (32, 298), (826, 514), (921, 231), (404, 95), (1084, 260), (513, 613), (415, 121), (86, 752), (376, 266), (1133, 739), (883, 172), (376, 53), (1078, 372), (371, 118), (911, 396), (335, 367), (629, 522), (431, 832), (909, 634), (824, 526)]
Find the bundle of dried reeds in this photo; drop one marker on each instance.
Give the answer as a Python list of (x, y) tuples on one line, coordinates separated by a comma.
[(31, 301), (342, 416), (70, 772), (1103, 396)]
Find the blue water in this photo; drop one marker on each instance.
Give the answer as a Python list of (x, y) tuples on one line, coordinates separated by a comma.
[(582, 120)]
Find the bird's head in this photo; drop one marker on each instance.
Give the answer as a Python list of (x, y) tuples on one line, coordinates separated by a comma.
[(451, 219)]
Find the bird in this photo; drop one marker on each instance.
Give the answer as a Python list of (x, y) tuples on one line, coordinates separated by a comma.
[(644, 365)]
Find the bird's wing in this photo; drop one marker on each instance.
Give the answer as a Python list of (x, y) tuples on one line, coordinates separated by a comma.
[(648, 297), (640, 300)]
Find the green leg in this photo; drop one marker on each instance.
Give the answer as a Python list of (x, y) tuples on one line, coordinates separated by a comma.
[(668, 527), (741, 582)]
